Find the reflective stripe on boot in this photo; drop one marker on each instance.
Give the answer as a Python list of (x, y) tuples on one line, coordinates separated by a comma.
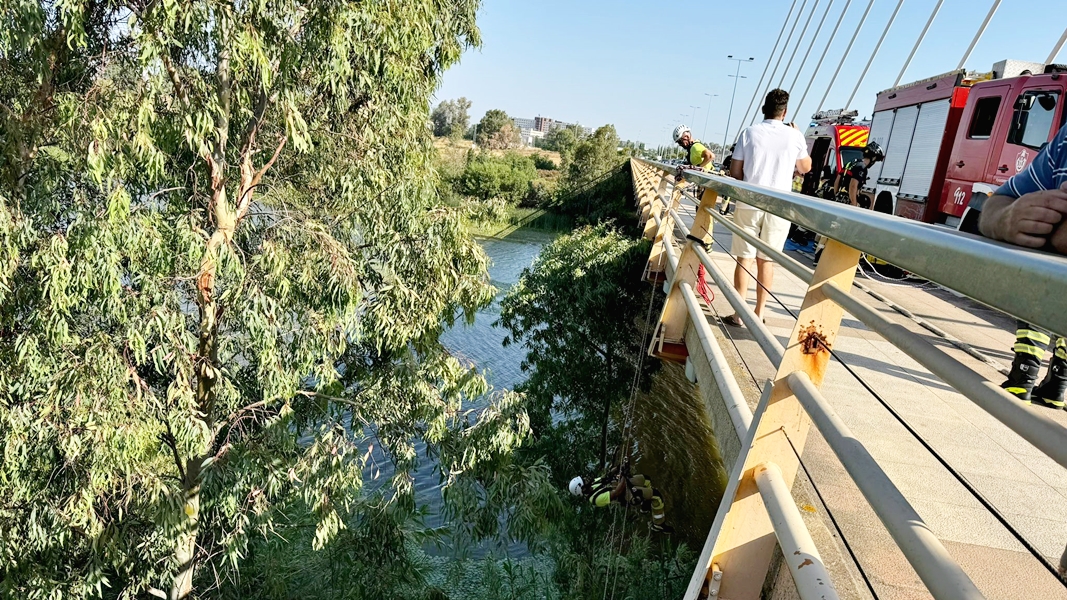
[(1051, 391), (1029, 352)]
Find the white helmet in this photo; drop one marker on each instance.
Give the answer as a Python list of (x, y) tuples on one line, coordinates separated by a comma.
[(576, 486), (679, 131)]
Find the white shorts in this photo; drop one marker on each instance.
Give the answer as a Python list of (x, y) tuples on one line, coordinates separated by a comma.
[(771, 229)]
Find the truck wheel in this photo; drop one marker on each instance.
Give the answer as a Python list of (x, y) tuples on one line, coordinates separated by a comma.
[(884, 204)]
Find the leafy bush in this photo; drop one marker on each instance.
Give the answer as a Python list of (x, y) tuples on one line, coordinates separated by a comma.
[(544, 163), (487, 177)]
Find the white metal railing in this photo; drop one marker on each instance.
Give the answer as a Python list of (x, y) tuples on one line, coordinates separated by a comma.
[(1022, 283)]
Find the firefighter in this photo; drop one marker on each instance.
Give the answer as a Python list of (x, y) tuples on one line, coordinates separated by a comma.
[(1030, 344), (854, 175), (697, 154), (622, 488), (1030, 210)]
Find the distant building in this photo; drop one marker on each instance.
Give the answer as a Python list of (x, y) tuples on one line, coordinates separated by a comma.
[(533, 129)]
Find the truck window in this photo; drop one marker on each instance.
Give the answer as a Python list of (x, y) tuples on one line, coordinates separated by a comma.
[(985, 116), (1035, 112)]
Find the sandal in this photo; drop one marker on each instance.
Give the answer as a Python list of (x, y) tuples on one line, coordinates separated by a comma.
[(733, 321)]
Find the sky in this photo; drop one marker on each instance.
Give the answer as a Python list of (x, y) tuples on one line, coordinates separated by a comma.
[(643, 66)]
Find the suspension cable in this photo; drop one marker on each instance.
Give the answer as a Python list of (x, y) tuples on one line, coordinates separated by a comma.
[(814, 39), (978, 34), (774, 71), (755, 92), (877, 47), (1056, 49), (800, 40), (825, 51), (844, 56), (919, 41)]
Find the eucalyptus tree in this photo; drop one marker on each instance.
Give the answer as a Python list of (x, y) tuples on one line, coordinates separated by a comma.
[(222, 258)]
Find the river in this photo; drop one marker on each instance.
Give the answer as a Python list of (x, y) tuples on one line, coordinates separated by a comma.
[(673, 440)]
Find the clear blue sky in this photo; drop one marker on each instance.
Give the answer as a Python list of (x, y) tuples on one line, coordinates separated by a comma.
[(640, 65)]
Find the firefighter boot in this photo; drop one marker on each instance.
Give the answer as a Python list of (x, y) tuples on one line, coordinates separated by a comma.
[(1029, 352), (1050, 392)]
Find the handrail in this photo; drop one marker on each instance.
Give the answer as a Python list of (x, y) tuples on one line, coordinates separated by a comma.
[(1024, 283), (888, 238)]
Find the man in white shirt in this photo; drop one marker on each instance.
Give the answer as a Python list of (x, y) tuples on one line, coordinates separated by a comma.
[(767, 154)]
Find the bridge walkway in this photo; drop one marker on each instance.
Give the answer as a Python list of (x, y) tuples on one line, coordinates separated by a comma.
[(1028, 487)]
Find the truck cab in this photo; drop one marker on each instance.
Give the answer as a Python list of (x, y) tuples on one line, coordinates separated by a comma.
[(834, 140), (1005, 124)]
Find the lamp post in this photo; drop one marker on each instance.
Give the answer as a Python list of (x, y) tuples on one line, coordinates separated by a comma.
[(706, 117), (694, 118), (736, 76)]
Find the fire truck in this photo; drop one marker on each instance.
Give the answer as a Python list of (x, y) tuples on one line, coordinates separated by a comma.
[(834, 140), (951, 140)]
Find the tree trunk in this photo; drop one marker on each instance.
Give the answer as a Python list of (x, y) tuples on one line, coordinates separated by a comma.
[(185, 552)]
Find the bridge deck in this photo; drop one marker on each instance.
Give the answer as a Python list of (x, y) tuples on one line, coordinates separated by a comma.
[(1029, 488)]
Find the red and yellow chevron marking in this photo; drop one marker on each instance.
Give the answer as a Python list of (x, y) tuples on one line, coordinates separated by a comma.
[(853, 136)]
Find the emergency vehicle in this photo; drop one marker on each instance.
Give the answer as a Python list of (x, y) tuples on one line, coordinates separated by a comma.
[(834, 140), (953, 139)]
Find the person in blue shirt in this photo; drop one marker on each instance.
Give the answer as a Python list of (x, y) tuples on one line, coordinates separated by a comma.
[(1030, 210)]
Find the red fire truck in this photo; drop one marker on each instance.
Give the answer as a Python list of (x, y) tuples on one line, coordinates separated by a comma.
[(951, 140), (834, 140)]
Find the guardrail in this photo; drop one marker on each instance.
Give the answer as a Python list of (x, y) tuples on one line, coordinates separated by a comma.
[(739, 549)]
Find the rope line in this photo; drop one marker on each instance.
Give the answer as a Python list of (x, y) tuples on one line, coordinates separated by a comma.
[(926, 445)]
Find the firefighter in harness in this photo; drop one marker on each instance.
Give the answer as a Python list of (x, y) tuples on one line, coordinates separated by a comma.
[(629, 490), (854, 176)]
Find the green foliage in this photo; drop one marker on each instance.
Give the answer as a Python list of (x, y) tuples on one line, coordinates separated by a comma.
[(562, 140), (575, 312), (592, 158), (487, 177), (223, 267), (544, 163), (496, 131), (451, 118)]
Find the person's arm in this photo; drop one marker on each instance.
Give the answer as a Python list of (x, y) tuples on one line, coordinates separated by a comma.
[(709, 157), (619, 491), (803, 165), (837, 184), (737, 169), (1025, 221), (854, 192)]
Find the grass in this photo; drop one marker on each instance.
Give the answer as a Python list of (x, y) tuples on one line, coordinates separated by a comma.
[(520, 218)]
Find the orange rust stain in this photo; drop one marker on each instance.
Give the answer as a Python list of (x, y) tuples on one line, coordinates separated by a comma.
[(807, 561), (812, 340)]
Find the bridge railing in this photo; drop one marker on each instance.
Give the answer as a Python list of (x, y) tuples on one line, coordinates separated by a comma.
[(735, 560)]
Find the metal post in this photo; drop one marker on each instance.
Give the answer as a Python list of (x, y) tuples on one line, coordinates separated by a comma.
[(798, 549), (755, 101), (736, 77), (800, 40), (708, 116), (825, 51), (814, 39), (1056, 49), (877, 47), (919, 41), (942, 576), (978, 35), (844, 56)]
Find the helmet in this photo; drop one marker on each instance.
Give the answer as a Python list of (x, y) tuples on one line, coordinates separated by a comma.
[(873, 150), (576, 486), (679, 131)]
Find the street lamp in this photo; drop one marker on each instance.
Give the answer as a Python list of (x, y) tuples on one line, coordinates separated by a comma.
[(736, 77), (695, 109), (710, 96)]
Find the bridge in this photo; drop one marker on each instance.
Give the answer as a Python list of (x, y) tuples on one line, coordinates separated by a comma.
[(872, 452)]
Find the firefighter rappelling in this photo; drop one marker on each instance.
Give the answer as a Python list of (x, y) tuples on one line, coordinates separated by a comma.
[(618, 486)]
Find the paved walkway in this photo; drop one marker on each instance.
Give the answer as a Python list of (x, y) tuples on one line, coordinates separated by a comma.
[(1029, 488)]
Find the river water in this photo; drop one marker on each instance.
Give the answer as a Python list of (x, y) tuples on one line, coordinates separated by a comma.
[(674, 445)]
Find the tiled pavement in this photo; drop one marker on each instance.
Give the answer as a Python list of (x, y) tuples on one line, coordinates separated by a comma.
[(1027, 487)]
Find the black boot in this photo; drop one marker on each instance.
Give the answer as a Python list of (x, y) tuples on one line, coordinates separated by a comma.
[(1029, 352), (1050, 392)]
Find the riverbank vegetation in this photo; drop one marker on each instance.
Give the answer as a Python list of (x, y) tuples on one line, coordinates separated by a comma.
[(228, 248)]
